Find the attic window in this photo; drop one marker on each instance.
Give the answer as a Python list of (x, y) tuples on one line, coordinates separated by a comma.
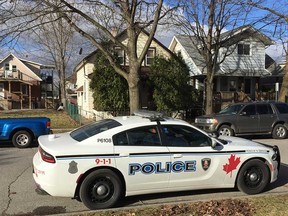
[(119, 52), (150, 56), (243, 49)]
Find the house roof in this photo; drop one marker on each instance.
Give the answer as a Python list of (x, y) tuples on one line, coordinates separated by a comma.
[(244, 29), (121, 34), (80, 89), (27, 64)]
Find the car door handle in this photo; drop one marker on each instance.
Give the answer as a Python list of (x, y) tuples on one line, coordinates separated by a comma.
[(177, 155), (124, 154)]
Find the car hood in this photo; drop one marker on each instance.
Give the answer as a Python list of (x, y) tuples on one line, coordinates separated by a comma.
[(242, 144), (213, 115)]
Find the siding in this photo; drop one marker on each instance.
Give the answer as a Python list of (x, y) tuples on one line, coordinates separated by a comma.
[(254, 61)]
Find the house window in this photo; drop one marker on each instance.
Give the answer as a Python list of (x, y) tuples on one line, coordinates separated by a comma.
[(24, 89), (14, 68), (7, 67), (243, 49), (149, 58), (120, 54)]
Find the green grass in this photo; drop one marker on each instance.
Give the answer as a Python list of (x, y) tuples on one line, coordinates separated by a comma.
[(59, 120)]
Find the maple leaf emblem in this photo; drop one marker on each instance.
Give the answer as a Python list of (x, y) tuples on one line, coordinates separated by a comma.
[(232, 164)]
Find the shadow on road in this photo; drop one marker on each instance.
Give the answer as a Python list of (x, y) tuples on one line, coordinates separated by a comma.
[(282, 178)]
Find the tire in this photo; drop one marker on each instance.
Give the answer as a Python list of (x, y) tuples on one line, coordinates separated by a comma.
[(279, 132), (253, 177), (22, 139), (226, 130), (101, 189)]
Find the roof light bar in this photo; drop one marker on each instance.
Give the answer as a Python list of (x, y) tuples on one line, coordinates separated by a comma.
[(152, 115)]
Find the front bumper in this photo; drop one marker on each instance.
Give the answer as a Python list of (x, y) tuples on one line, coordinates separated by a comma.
[(210, 128)]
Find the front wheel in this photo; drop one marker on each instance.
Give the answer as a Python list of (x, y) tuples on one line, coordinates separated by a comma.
[(22, 139), (253, 177), (101, 189), (279, 132), (226, 130)]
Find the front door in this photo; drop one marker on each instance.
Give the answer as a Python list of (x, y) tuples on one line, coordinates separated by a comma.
[(193, 161), (247, 120)]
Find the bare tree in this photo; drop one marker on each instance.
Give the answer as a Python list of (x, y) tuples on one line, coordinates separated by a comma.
[(131, 15), (205, 21), (56, 38), (279, 9)]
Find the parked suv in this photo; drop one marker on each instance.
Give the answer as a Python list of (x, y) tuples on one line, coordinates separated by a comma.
[(248, 118)]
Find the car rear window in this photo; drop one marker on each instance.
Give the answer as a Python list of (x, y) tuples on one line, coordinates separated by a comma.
[(94, 128), (282, 108)]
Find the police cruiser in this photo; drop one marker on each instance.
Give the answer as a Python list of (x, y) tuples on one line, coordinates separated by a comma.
[(102, 162)]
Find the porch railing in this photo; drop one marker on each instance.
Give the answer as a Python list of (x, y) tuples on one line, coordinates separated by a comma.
[(15, 75)]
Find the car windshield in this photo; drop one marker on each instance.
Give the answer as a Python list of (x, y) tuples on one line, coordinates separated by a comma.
[(92, 129), (232, 109)]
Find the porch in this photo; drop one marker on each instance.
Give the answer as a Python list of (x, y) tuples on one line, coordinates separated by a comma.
[(224, 98), (18, 90)]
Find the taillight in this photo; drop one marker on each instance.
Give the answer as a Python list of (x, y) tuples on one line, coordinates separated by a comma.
[(46, 156), (48, 124)]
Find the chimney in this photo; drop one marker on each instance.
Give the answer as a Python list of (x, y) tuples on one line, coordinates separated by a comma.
[(114, 31)]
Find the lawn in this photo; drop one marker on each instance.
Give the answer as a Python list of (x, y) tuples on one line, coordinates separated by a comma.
[(59, 120), (266, 205)]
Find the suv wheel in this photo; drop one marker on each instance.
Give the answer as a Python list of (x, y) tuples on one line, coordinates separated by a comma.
[(226, 130), (279, 132)]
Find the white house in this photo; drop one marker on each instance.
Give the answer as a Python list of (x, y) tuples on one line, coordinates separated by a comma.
[(243, 65)]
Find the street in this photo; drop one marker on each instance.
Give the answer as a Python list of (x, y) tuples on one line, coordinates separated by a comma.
[(18, 194)]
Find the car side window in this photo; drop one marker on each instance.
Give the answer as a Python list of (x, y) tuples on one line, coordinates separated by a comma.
[(142, 136), (249, 109), (183, 136), (263, 109), (282, 108)]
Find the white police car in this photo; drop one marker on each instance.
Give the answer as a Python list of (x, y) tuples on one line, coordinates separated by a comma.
[(104, 161)]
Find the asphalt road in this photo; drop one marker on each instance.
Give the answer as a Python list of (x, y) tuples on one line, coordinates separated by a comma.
[(18, 196)]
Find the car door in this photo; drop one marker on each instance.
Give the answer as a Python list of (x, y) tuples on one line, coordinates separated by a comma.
[(266, 117), (195, 164), (142, 160), (248, 120)]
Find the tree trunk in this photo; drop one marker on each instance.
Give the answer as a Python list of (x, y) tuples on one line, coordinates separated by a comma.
[(284, 88), (209, 97), (133, 83)]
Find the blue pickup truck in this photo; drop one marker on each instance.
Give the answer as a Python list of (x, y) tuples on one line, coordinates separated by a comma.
[(22, 131)]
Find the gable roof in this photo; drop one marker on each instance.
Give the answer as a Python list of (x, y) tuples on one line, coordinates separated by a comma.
[(121, 34), (21, 61), (240, 31)]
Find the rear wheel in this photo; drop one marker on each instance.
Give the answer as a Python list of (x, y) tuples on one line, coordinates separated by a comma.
[(22, 139), (253, 177), (101, 189), (279, 132), (226, 130)]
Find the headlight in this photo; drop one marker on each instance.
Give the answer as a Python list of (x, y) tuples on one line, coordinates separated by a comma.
[(211, 121), (206, 121)]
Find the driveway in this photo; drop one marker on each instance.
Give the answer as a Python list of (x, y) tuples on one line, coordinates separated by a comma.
[(18, 194)]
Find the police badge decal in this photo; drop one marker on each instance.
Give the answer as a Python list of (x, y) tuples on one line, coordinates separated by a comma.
[(206, 163), (73, 167)]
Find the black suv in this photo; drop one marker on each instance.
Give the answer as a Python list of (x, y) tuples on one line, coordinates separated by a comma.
[(248, 118)]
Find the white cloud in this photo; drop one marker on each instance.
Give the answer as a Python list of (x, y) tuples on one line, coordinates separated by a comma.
[(276, 52)]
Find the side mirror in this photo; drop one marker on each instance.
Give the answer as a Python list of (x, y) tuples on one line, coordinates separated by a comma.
[(214, 143), (214, 134)]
